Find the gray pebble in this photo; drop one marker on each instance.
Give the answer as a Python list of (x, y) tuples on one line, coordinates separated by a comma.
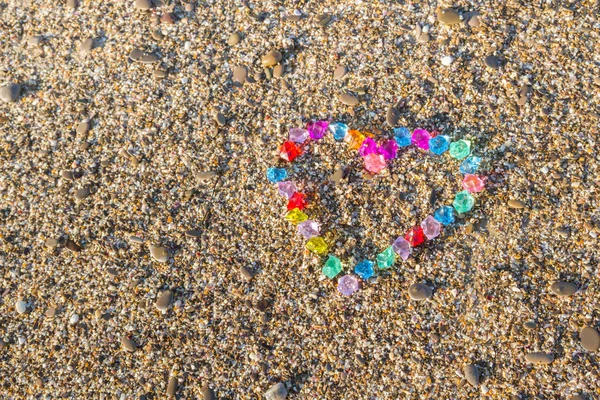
[(135, 239), (392, 116), (205, 175), (72, 246), (471, 374), (164, 300), (83, 127), (234, 39), (159, 73), (339, 72), (589, 339), (143, 4), (518, 204), (530, 325), (148, 59), (136, 54), (86, 46), (21, 306), (172, 386), (448, 16), (159, 253), (128, 344), (240, 74), (10, 92), (194, 233), (276, 392), (208, 394), (419, 291), (563, 289), (271, 58), (539, 358), (492, 62), (82, 193), (324, 20), (349, 99), (51, 243), (563, 233), (158, 35), (278, 71), (246, 273), (220, 118), (67, 174)]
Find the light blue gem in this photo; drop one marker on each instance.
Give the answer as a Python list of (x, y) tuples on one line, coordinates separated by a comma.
[(444, 215), (439, 144), (339, 130), (276, 174), (470, 165), (402, 136), (364, 269)]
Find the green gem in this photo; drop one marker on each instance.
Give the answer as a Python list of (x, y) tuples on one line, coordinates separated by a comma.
[(332, 267), (463, 202), (460, 149), (317, 244), (296, 216), (386, 258)]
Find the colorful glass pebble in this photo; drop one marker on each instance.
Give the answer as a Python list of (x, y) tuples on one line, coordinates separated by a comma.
[(308, 229), (444, 215), (463, 202), (431, 227), (298, 200), (339, 130), (286, 189), (317, 245), (332, 267), (368, 146), (317, 129), (420, 138), (415, 236), (460, 149), (386, 258), (364, 269), (389, 150), (375, 163), (402, 248), (275, 175), (439, 144), (354, 139), (295, 216), (472, 183), (402, 136), (470, 165), (298, 135), (289, 151), (348, 284)]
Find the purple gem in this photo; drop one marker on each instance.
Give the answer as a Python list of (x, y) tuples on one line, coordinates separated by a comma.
[(421, 137), (348, 284), (317, 129), (389, 149), (367, 147), (287, 189), (431, 228), (308, 229), (298, 135), (402, 248)]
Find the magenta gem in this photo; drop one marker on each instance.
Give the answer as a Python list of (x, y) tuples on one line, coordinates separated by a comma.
[(431, 228), (389, 149), (421, 137), (317, 129), (308, 229), (348, 284), (298, 135), (374, 163), (286, 189), (367, 147), (402, 248)]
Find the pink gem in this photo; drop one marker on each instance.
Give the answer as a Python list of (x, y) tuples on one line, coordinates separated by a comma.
[(421, 137), (431, 228), (389, 149), (402, 248), (374, 163), (298, 135), (308, 229), (317, 129), (367, 147), (472, 183), (286, 189), (348, 284)]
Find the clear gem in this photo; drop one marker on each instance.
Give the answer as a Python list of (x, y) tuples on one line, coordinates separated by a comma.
[(402, 248), (332, 267), (470, 165), (295, 216), (298, 135), (386, 258), (431, 227), (317, 244), (317, 129), (374, 163), (463, 202), (460, 149), (308, 229), (389, 150), (421, 137), (473, 183), (348, 284), (286, 188), (367, 147)]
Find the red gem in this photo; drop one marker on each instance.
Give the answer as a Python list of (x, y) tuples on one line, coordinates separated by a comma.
[(297, 201), (289, 150), (415, 236)]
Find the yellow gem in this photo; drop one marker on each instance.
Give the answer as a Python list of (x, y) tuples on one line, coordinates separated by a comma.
[(296, 216), (317, 244), (354, 139)]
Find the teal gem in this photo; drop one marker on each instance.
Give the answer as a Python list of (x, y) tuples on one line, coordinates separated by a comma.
[(332, 267), (463, 202), (460, 149), (386, 258)]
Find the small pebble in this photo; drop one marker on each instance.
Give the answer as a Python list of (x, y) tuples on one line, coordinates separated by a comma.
[(159, 253), (172, 386), (10, 93), (419, 291), (589, 339), (447, 60), (539, 358), (143, 4), (339, 72), (276, 392), (128, 344), (74, 319), (471, 373), (518, 204), (448, 16), (234, 39), (21, 306), (246, 273), (271, 58), (563, 289), (278, 71), (492, 62), (349, 99), (208, 394), (164, 300), (240, 74)]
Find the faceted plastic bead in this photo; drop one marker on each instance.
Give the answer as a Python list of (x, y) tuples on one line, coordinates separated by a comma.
[(298, 135), (364, 269), (308, 229), (286, 188), (367, 147), (374, 163), (460, 149), (289, 150), (473, 183), (421, 137), (317, 129), (470, 165), (444, 215), (402, 136), (275, 175), (386, 258), (415, 236), (354, 139), (389, 150), (317, 245), (402, 248), (332, 267), (296, 216), (348, 284), (298, 200), (339, 130), (431, 227), (439, 144), (463, 202)]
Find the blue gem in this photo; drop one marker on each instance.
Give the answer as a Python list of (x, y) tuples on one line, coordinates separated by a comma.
[(364, 269), (276, 174), (470, 165), (439, 144), (403, 136), (444, 215), (339, 130)]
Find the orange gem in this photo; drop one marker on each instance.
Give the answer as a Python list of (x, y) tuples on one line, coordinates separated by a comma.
[(354, 139)]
